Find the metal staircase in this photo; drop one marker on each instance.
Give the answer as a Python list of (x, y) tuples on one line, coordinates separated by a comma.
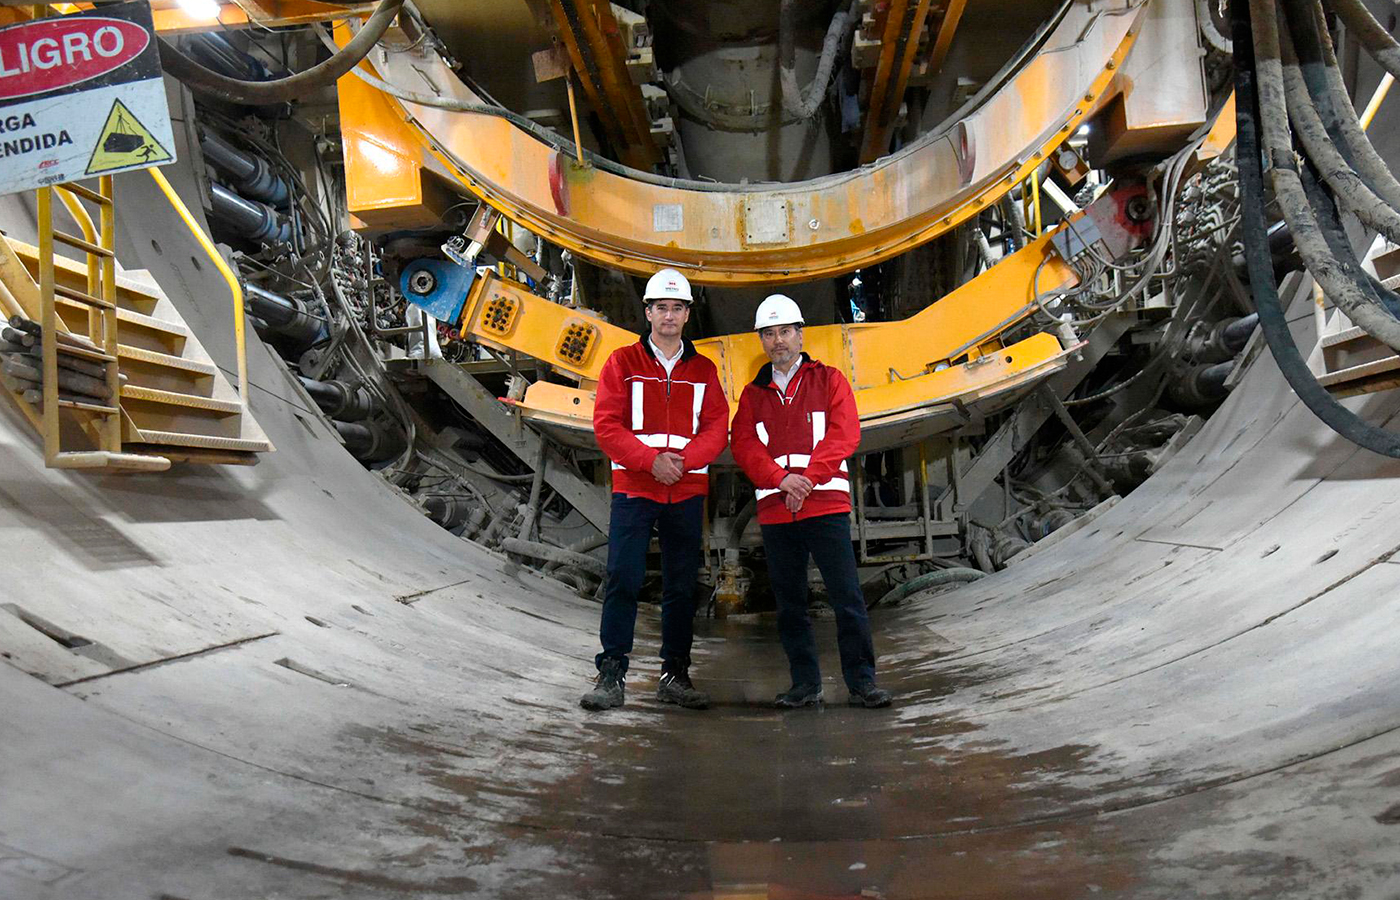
[(169, 401), (1348, 361)]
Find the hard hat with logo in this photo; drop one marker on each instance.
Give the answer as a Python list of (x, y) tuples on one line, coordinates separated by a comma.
[(668, 284), (777, 309)]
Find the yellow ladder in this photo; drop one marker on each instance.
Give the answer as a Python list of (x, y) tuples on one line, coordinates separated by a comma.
[(103, 418)]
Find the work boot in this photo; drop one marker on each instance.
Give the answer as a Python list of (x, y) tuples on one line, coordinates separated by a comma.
[(609, 690), (799, 695), (675, 687), (870, 696)]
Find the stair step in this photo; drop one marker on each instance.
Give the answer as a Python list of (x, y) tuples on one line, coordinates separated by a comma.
[(172, 332), (103, 459), (1365, 370), (1356, 332), (202, 441), (199, 455), (151, 357), (174, 398), (130, 292)]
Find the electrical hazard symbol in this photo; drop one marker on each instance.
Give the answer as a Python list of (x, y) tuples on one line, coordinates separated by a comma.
[(124, 142)]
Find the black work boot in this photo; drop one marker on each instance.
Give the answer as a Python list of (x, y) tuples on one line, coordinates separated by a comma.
[(609, 690), (870, 696), (675, 687), (799, 695)]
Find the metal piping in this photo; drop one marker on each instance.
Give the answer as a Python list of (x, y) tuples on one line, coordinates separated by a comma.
[(340, 401), (371, 443), (255, 221), (251, 175), (284, 315)]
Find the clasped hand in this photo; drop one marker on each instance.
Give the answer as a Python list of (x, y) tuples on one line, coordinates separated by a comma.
[(795, 489), (668, 467)]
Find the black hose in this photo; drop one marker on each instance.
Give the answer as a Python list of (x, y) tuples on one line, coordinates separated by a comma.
[(1358, 20), (1305, 112), (804, 104), (1319, 120), (1214, 38), (282, 90), (583, 546), (1261, 272), (1354, 298), (1237, 333), (1330, 224), (787, 53), (1348, 131), (545, 552), (741, 521), (930, 580)]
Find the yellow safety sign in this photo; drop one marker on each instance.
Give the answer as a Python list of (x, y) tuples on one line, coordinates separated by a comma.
[(125, 142)]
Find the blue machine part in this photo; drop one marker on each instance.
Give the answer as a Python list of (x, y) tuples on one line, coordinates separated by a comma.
[(438, 286)]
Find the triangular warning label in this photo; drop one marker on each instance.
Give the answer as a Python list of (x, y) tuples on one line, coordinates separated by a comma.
[(125, 143)]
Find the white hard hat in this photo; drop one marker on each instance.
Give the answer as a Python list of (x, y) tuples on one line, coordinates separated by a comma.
[(777, 309), (668, 284)]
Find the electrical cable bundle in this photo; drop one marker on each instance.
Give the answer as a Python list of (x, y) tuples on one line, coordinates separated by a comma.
[(1091, 301)]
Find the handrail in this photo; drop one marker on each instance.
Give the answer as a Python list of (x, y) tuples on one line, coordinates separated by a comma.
[(236, 289), (1376, 100)]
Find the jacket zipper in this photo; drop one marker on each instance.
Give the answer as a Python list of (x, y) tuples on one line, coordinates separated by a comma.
[(670, 487), (783, 403)]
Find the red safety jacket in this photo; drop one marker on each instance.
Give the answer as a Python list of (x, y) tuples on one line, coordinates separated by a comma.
[(810, 430), (641, 411)]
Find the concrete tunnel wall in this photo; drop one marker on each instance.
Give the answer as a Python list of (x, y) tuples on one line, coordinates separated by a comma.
[(1194, 696)]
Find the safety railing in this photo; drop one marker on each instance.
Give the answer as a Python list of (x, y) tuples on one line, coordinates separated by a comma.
[(235, 288)]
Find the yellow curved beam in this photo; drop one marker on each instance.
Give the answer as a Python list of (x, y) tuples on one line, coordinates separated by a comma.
[(761, 235)]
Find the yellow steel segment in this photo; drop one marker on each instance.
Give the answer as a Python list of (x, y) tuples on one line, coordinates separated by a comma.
[(383, 164), (1221, 134), (904, 23), (1010, 368), (590, 33), (839, 223), (946, 29), (887, 357)]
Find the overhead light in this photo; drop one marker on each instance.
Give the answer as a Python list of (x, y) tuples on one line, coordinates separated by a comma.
[(1083, 130), (200, 9)]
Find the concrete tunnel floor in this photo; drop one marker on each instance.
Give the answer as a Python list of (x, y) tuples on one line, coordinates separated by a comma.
[(292, 685)]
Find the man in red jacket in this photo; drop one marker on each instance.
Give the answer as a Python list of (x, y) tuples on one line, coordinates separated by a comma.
[(795, 427), (661, 416)]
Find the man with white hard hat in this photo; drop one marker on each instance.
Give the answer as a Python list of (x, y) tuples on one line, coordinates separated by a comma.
[(794, 430), (661, 417)]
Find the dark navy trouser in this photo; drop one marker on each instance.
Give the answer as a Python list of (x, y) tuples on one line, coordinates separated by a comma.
[(679, 526), (828, 540)]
